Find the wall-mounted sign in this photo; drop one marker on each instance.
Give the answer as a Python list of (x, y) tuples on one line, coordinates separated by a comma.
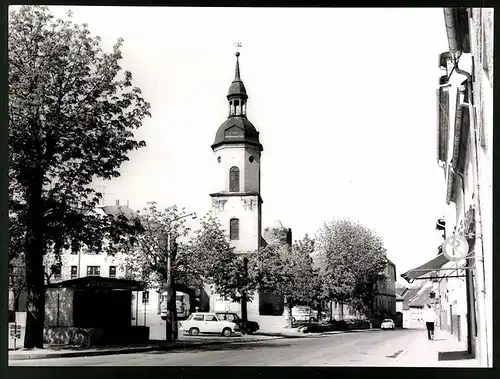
[(455, 248)]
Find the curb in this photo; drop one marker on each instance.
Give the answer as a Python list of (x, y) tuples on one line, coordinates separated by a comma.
[(144, 349)]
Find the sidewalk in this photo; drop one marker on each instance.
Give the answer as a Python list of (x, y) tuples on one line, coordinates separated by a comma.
[(444, 351), (54, 351)]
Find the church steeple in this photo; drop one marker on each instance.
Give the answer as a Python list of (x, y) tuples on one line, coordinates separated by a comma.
[(237, 94)]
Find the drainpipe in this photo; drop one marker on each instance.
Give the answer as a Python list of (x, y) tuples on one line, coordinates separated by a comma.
[(479, 260), (468, 281)]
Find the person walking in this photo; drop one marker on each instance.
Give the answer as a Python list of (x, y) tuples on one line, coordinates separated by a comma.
[(430, 319)]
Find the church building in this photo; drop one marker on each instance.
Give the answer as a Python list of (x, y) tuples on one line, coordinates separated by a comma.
[(237, 201)]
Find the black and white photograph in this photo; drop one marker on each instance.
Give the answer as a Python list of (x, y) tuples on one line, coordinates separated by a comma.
[(250, 186)]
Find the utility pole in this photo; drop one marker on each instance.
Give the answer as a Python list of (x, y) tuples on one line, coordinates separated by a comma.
[(171, 324)]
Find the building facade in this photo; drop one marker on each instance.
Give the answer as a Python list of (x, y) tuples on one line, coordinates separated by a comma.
[(385, 300), (465, 127)]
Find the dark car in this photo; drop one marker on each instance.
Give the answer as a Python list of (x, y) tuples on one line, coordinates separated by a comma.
[(249, 327)]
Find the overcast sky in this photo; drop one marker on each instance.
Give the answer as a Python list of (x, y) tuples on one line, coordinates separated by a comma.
[(344, 100)]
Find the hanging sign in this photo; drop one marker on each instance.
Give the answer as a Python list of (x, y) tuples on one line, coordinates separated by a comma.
[(455, 248)]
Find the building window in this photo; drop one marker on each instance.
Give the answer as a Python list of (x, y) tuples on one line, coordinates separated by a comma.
[(112, 271), (234, 229), (145, 297), (74, 272), (56, 271), (93, 270), (234, 179)]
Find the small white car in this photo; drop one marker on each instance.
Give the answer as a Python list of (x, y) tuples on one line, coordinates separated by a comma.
[(388, 324), (202, 322)]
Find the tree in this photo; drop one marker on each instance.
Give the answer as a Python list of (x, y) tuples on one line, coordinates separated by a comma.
[(290, 273), (147, 260), (72, 112), (218, 265), (353, 259)]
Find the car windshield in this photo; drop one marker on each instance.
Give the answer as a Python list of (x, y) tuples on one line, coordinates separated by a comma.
[(387, 320)]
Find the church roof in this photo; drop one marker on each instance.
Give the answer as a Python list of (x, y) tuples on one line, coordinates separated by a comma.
[(237, 129), (237, 88)]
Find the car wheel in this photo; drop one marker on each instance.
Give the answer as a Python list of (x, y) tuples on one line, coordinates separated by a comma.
[(194, 331), (293, 319), (226, 332)]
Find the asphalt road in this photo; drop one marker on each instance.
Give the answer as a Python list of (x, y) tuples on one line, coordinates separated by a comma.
[(372, 348)]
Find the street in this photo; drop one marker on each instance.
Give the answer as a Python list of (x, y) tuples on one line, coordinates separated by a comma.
[(370, 348)]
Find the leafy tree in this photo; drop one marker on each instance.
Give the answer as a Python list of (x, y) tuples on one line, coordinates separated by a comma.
[(147, 260), (354, 259), (288, 272), (72, 112), (218, 265)]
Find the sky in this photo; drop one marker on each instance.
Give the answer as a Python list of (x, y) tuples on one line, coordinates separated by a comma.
[(344, 100)]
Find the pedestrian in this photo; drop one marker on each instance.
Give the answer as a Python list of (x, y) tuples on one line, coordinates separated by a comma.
[(430, 318)]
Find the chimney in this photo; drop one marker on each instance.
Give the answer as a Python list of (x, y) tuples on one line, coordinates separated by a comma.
[(117, 203), (127, 204)]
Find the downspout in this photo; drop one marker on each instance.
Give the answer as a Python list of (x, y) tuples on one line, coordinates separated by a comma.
[(470, 306)]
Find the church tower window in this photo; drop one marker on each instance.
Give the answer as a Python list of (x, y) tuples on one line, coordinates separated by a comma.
[(234, 179), (234, 229)]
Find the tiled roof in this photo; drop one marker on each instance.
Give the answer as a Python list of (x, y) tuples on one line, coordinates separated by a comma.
[(409, 296), (401, 290), (422, 299), (115, 210)]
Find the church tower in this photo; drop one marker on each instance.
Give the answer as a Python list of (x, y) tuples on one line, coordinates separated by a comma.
[(237, 152)]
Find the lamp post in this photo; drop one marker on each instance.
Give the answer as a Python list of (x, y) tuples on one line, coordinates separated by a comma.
[(171, 324)]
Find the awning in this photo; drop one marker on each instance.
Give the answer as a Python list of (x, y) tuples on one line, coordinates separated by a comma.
[(420, 272)]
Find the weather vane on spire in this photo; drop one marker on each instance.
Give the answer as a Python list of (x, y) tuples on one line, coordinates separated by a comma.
[(238, 45)]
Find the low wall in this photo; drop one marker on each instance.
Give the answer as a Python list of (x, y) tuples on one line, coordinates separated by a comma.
[(86, 337)]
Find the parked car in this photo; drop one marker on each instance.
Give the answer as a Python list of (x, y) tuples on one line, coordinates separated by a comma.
[(250, 327), (202, 322), (388, 324), (301, 313)]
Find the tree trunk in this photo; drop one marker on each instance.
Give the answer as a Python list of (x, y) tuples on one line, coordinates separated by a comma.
[(16, 302), (243, 301), (35, 302), (331, 310), (244, 311), (341, 304), (289, 305)]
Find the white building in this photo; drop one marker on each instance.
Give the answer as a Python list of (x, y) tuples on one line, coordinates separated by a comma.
[(465, 153), (77, 264)]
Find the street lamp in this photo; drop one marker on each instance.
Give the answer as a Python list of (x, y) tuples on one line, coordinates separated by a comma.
[(171, 324)]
